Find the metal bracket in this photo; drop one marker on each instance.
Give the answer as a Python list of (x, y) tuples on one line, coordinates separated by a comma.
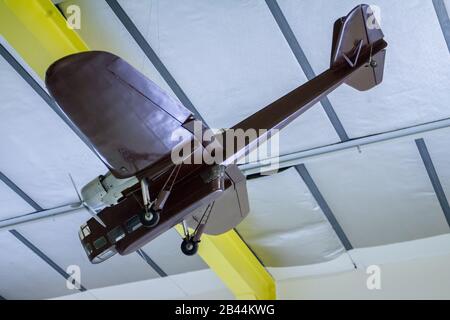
[(358, 51)]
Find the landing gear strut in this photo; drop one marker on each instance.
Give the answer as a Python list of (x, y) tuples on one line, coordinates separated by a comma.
[(149, 217), (189, 246), (150, 214)]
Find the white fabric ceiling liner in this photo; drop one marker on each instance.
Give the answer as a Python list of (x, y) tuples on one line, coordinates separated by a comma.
[(380, 193), (231, 60), (285, 226), (415, 88), (198, 285), (38, 149), (23, 275), (12, 204), (342, 263), (403, 251)]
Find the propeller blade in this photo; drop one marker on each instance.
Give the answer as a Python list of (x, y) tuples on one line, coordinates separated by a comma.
[(75, 187), (91, 212), (94, 215)]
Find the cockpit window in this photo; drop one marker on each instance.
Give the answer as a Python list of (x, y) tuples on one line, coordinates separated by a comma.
[(100, 243), (115, 235), (133, 224), (86, 231), (80, 234)]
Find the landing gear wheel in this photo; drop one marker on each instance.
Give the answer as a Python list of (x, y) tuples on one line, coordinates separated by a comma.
[(149, 218), (189, 247)]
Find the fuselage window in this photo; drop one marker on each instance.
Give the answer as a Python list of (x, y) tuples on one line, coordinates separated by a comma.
[(88, 248), (99, 243), (133, 224), (115, 235)]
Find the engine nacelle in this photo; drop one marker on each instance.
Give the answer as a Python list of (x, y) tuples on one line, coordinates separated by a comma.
[(105, 191)]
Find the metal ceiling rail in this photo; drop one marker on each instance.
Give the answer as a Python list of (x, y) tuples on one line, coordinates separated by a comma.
[(39, 33), (151, 263), (434, 178), (19, 191), (444, 20), (296, 158)]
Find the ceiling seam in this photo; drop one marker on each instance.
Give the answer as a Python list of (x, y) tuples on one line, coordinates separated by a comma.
[(434, 178), (304, 174), (305, 65), (151, 263), (44, 257), (153, 57), (43, 94), (19, 192), (444, 20)]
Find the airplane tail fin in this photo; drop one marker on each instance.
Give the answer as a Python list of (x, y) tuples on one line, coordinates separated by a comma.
[(352, 34)]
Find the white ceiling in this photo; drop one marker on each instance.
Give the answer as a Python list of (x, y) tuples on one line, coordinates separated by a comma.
[(231, 59)]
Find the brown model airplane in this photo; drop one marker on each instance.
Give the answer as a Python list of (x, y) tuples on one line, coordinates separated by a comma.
[(134, 127)]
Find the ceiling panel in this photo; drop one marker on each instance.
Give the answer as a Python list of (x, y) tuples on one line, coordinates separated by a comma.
[(11, 203), (285, 226), (23, 275), (231, 60), (415, 88), (63, 231), (38, 149), (379, 193)]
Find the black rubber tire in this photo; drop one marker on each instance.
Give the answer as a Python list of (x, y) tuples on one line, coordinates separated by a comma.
[(149, 222), (189, 247)]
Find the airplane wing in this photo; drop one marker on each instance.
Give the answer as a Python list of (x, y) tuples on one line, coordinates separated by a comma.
[(131, 123)]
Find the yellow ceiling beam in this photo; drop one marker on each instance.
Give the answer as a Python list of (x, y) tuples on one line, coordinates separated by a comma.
[(39, 33), (230, 258)]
